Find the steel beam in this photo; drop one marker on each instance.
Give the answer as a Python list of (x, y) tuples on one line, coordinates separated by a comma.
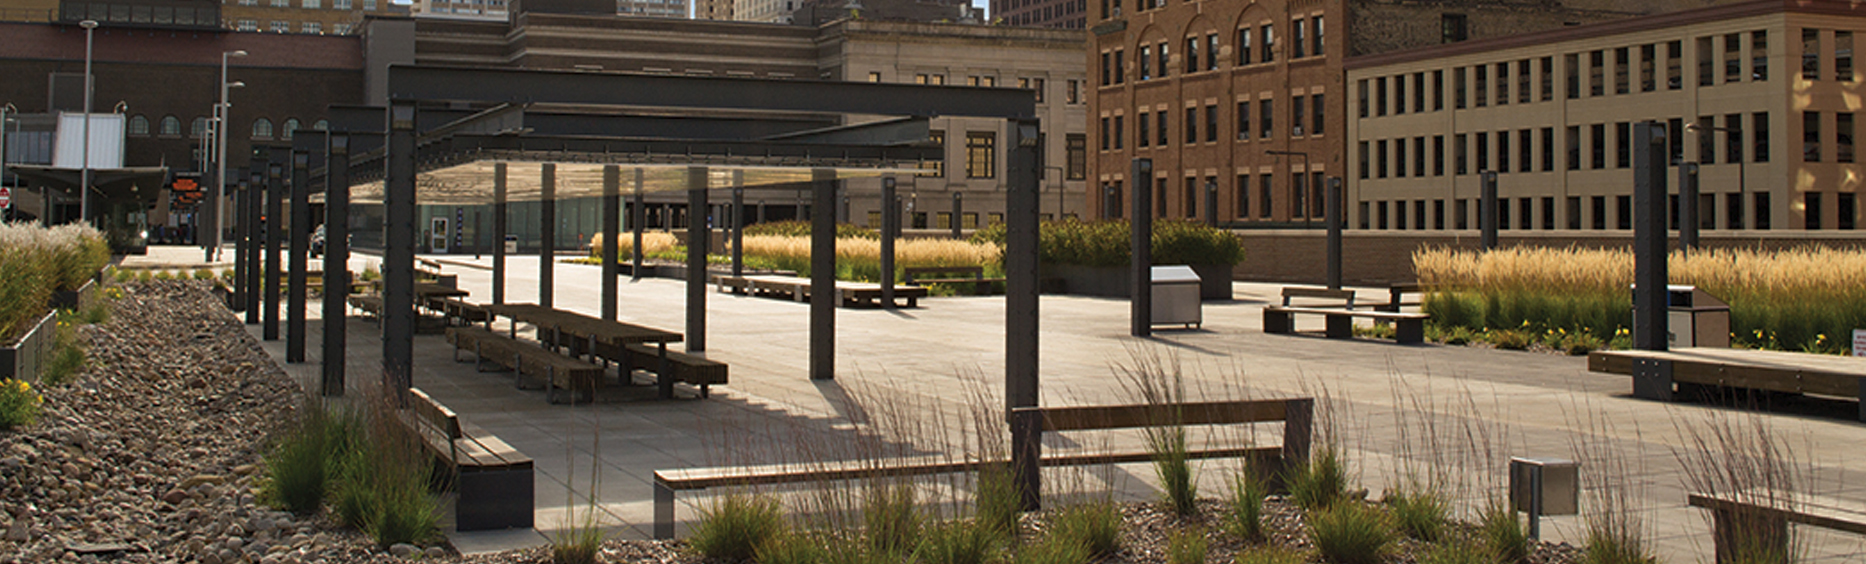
[(255, 230), (1140, 243), (1487, 210), (336, 261), (547, 233), (823, 278), (890, 229), (241, 268), (698, 235), (296, 290), (525, 86), (1021, 206), (499, 230), (612, 237), (398, 257), (275, 215), (1649, 237), (1333, 213)]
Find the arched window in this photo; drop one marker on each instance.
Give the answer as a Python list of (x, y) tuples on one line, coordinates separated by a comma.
[(290, 126), (262, 128), (139, 125), (171, 127), (198, 129), (321, 125)]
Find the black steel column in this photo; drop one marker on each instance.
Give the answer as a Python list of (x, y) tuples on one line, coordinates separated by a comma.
[(823, 278), (958, 215), (1687, 207), (612, 237), (738, 223), (241, 269), (547, 232), (499, 230), (1649, 237), (1487, 210), (398, 254), (1140, 267), (275, 215), (1332, 199), (890, 228), (255, 231), (638, 220), (698, 235), (299, 255), (336, 260), (1021, 208)]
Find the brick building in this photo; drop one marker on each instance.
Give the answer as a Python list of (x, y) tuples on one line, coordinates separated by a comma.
[(1247, 99), (339, 17)]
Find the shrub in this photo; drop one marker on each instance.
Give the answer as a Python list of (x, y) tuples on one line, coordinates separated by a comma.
[(35, 262), (1186, 547), (1270, 554), (402, 510), (1095, 526), (1053, 550), (1245, 517), (1320, 483), (1510, 339), (580, 542), (68, 354), (891, 518), (791, 548), (998, 501), (203, 274), (1419, 512), (296, 476), (652, 242), (1500, 533), (736, 527), (958, 542), (1349, 533), (1456, 552), (1107, 243), (164, 275), (797, 228), (1608, 546), (19, 404)]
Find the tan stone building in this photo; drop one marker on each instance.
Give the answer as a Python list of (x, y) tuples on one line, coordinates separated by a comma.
[(339, 17), (28, 10), (1771, 86)]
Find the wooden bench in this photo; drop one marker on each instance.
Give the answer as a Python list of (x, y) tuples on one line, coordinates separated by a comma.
[(558, 372), (913, 276), (455, 308), (430, 271), (848, 294), (1756, 521), (1663, 375), (685, 367), (1396, 294), (493, 481), (1297, 416), (1409, 328), (369, 305)]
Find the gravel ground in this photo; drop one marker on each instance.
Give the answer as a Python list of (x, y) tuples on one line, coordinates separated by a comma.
[(150, 454)]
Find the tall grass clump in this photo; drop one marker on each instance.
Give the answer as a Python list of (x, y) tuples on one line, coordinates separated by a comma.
[(1350, 533), (1271, 554), (1740, 457), (1457, 551), (1501, 534), (1106, 243), (35, 262), (365, 464), (1244, 517), (1160, 385), (1095, 526), (996, 501), (1053, 550), (799, 228), (1419, 511), (1186, 546), (297, 463), (958, 542), (859, 258), (652, 242), (737, 526), (1320, 483), (892, 519), (580, 539)]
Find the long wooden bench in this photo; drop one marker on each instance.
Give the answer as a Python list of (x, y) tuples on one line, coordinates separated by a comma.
[(684, 367), (1663, 375), (556, 371), (1409, 328), (368, 304), (915, 276), (848, 294), (492, 480), (1297, 416), (1756, 521), (466, 312)]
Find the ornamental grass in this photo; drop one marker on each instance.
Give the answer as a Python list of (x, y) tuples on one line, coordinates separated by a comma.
[(35, 262)]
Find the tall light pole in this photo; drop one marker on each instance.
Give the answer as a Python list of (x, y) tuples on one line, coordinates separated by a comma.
[(1742, 170), (225, 114), (1294, 193), (84, 174)]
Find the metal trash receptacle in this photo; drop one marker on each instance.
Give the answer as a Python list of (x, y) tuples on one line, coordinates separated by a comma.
[(1694, 318), (1176, 296), (511, 244)]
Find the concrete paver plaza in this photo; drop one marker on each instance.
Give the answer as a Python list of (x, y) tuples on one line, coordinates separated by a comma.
[(928, 367)]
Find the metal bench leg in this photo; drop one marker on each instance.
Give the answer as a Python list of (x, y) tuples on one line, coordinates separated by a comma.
[(663, 511), (1409, 331), (1652, 379), (664, 376), (1275, 321), (1340, 327)]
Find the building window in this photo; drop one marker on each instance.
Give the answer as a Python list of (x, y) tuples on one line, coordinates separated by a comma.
[(1104, 133), (1315, 35), (1315, 127), (246, 25), (340, 4), (1760, 150), (1243, 121), (874, 77), (262, 128), (1380, 159), (1707, 141), (1705, 65), (1438, 90), (1144, 70), (1845, 206), (1244, 46), (1268, 52), (1191, 199), (1361, 88), (1243, 195), (1380, 96), (1107, 75), (981, 154), (281, 3), (1843, 137), (1811, 54), (1480, 82), (340, 29), (313, 27), (170, 127), (1597, 73), (1648, 68), (1812, 214), (1573, 75), (1811, 137), (1211, 51), (1460, 158), (1622, 145), (279, 26), (1296, 116), (1548, 79), (1072, 93), (1524, 149), (1674, 65), (1548, 149), (984, 81), (197, 129), (1120, 132), (1522, 81), (1759, 55), (1192, 54), (139, 126), (1574, 147), (1142, 135), (1733, 138), (369, 5), (1362, 158), (1160, 124), (313, 4), (1298, 38), (321, 125), (1192, 129), (1843, 56), (1211, 123), (1163, 57), (1267, 110), (1457, 88), (1675, 140), (1503, 151), (1418, 156), (1621, 71), (1438, 155), (291, 127), (1264, 193), (1597, 138), (1076, 153), (1453, 28), (1503, 83), (1399, 94)]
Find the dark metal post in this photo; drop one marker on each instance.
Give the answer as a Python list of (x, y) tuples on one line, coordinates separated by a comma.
[(1022, 203), (1140, 268), (1649, 237), (547, 233), (958, 215), (300, 254), (255, 231), (1687, 207), (612, 238), (761, 211), (1487, 210), (640, 220), (241, 268), (1211, 203), (499, 230), (398, 253), (738, 223), (336, 260), (275, 212), (698, 236), (1332, 199), (890, 227), (823, 278)]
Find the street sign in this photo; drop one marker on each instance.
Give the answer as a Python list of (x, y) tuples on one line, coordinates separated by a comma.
[(6, 197), (186, 185)]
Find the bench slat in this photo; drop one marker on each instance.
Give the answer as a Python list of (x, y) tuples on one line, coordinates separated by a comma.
[(1135, 416), (1349, 312), (1819, 511)]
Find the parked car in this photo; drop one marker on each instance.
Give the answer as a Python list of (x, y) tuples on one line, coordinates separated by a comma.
[(317, 242)]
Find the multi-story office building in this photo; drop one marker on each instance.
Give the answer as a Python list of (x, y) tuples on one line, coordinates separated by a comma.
[(1066, 14), (340, 17), (1761, 97), (1246, 98), (28, 10)]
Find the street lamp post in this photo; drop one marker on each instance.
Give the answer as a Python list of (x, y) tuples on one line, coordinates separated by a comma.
[(1296, 194), (84, 174), (224, 113), (1742, 170)]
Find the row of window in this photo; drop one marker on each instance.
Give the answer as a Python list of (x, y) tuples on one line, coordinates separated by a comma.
[(1072, 88), (170, 126), (282, 26), (1540, 212), (1305, 196), (1201, 52), (368, 5), (1051, 12), (1535, 148), (981, 155), (1303, 111)]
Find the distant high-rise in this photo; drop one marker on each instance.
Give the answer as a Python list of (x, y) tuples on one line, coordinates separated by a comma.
[(1068, 14)]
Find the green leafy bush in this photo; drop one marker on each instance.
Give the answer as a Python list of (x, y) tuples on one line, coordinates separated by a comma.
[(737, 527), (1350, 533), (797, 228), (1107, 243), (19, 404)]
